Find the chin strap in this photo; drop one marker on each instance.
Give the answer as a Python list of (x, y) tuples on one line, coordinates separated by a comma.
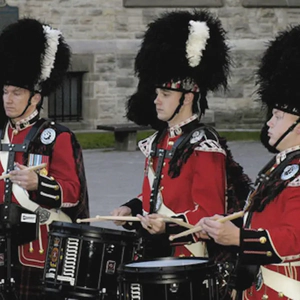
[(178, 107), (28, 104), (286, 133)]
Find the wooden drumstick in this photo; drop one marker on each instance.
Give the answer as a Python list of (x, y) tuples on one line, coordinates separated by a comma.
[(32, 168), (199, 228), (133, 219)]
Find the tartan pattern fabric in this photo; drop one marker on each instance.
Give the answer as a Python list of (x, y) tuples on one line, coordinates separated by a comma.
[(82, 209), (238, 183), (28, 282)]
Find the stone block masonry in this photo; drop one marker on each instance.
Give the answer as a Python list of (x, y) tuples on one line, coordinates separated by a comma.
[(105, 36)]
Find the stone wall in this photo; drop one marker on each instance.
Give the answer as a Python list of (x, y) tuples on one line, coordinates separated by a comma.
[(105, 35)]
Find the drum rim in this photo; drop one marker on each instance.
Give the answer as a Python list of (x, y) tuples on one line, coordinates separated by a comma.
[(125, 267), (90, 229)]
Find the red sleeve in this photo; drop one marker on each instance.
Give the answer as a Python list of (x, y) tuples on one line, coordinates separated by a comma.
[(208, 186), (63, 169), (288, 227), (276, 237)]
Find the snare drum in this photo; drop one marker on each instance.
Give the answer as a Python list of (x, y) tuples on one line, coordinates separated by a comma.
[(82, 260), (168, 279)]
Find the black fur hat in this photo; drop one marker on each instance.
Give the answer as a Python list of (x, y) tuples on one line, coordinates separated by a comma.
[(181, 50), (33, 56), (278, 74)]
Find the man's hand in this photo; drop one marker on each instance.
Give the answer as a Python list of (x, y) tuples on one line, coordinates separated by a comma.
[(153, 223), (223, 233), (121, 211), (25, 178)]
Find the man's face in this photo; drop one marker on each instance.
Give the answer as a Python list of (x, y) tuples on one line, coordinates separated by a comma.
[(15, 100), (279, 123), (166, 103)]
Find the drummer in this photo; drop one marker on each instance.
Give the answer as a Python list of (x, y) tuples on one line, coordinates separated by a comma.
[(271, 237), (183, 57), (34, 59)]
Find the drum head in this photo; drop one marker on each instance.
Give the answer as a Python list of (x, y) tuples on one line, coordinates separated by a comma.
[(163, 263), (164, 270), (87, 232)]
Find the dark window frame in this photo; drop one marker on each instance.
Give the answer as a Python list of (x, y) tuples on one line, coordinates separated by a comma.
[(173, 3), (69, 110), (270, 3)]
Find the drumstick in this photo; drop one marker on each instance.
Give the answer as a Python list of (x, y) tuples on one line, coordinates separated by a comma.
[(133, 219), (32, 168), (198, 228)]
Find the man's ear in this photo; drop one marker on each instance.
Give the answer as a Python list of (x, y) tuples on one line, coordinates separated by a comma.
[(36, 99), (188, 98)]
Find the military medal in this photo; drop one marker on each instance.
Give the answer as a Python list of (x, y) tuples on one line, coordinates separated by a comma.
[(37, 159)]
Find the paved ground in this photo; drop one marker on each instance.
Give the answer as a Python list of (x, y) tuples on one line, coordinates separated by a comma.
[(115, 177)]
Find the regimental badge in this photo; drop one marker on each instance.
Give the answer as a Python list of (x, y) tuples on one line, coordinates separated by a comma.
[(54, 255), (196, 136), (259, 280), (48, 136), (110, 267), (289, 172)]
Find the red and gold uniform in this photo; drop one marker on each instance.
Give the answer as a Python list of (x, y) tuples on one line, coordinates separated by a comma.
[(61, 194), (198, 191), (59, 186), (275, 242)]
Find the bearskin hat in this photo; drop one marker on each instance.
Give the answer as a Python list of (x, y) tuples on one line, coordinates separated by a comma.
[(278, 75), (33, 56), (183, 51)]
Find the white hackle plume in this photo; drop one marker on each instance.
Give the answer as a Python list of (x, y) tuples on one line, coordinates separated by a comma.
[(48, 59), (196, 42)]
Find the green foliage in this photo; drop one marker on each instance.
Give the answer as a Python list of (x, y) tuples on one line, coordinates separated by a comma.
[(240, 135), (95, 140)]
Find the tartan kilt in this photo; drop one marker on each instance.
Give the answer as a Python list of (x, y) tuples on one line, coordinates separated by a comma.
[(28, 282)]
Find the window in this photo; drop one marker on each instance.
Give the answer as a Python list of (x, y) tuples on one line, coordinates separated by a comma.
[(65, 104), (271, 3), (173, 3), (8, 14)]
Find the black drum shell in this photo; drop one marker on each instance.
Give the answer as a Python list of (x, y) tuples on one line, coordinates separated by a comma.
[(167, 274), (97, 248), (195, 280)]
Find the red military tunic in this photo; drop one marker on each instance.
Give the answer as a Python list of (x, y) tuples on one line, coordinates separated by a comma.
[(199, 190), (275, 242), (62, 172)]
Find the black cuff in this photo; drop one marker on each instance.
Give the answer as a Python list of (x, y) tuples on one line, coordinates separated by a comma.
[(256, 248), (49, 192), (173, 228), (136, 207)]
